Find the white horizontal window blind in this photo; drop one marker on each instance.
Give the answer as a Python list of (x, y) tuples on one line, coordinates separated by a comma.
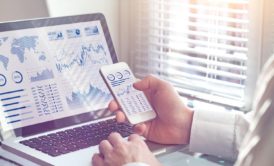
[(200, 46)]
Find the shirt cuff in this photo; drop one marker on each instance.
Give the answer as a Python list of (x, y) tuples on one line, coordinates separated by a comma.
[(136, 164), (213, 133)]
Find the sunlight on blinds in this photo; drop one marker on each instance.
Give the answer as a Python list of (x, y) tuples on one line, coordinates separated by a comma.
[(198, 45)]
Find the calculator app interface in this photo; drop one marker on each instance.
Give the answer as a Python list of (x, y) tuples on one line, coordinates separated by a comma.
[(132, 101)]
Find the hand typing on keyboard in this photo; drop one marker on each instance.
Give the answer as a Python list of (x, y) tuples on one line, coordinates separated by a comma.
[(117, 151)]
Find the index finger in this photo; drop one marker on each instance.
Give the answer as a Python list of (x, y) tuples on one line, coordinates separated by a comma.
[(115, 139), (113, 106)]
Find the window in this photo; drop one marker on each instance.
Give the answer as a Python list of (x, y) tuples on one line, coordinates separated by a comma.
[(200, 46)]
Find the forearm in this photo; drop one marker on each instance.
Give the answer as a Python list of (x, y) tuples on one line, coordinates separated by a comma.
[(218, 133)]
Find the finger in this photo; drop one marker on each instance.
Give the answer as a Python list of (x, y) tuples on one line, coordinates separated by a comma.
[(141, 129), (113, 106), (148, 83), (115, 139), (97, 160), (134, 137), (120, 116), (105, 147)]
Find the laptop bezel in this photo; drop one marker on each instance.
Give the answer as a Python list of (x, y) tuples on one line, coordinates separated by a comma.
[(53, 21)]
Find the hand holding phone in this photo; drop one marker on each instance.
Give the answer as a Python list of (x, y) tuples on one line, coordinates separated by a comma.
[(119, 79)]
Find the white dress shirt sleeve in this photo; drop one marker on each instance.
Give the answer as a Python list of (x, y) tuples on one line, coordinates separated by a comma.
[(136, 164), (218, 132)]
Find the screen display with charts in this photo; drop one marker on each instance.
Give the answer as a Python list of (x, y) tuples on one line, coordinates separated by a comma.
[(52, 72)]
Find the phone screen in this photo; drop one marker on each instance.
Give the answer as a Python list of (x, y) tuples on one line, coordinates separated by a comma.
[(120, 80)]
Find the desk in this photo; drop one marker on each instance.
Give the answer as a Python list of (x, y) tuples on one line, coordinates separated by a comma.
[(184, 157), (15, 158), (181, 157)]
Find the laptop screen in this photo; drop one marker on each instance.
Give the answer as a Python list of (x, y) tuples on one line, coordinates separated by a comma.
[(49, 72)]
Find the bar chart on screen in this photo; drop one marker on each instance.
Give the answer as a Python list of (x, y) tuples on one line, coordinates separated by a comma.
[(15, 106)]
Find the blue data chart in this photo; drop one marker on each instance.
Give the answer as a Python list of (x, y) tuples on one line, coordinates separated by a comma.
[(81, 56), (74, 33), (117, 82), (17, 77), (132, 101), (122, 91), (15, 106), (118, 78), (47, 99), (57, 35), (91, 98), (43, 75), (92, 30), (3, 80)]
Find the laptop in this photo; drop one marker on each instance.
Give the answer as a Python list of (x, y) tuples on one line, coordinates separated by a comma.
[(52, 99)]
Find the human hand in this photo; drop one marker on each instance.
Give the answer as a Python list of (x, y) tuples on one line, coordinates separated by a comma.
[(117, 151), (173, 122)]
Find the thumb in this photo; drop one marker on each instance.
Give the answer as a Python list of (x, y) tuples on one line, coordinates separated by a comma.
[(97, 160), (143, 129), (148, 83)]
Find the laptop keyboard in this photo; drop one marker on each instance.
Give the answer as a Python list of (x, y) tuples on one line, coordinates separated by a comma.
[(77, 138)]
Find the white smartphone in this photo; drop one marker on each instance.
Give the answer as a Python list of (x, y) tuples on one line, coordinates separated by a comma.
[(119, 79)]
